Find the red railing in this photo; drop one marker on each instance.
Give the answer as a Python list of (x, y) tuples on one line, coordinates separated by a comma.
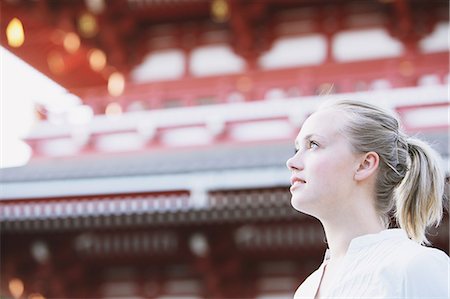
[(258, 85)]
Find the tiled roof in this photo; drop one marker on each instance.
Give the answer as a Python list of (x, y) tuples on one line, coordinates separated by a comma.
[(152, 163)]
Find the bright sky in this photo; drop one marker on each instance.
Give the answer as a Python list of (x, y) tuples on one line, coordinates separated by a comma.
[(21, 87)]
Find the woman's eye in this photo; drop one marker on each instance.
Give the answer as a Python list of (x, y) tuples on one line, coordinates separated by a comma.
[(313, 144)]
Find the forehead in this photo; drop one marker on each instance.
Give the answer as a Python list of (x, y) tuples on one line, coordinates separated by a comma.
[(327, 123)]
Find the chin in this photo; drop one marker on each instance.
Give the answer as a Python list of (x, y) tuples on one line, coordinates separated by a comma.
[(300, 204), (307, 205)]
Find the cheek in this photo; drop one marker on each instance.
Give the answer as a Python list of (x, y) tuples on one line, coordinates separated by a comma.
[(323, 167), (331, 171)]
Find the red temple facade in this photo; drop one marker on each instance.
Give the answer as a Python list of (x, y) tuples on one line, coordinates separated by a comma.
[(176, 186)]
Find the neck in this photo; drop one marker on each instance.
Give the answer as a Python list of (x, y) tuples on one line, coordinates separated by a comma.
[(341, 230)]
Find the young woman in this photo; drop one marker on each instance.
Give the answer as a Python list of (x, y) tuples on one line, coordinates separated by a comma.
[(354, 170)]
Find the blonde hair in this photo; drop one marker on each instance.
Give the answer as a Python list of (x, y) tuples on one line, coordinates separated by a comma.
[(410, 181)]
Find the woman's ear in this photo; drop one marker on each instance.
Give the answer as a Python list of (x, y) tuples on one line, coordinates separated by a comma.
[(368, 166)]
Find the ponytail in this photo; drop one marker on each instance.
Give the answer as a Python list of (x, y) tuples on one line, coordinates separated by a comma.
[(419, 197)]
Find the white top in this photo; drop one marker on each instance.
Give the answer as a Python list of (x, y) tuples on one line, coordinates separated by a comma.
[(385, 265)]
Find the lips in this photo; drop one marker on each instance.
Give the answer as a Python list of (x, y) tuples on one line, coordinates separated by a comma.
[(295, 180)]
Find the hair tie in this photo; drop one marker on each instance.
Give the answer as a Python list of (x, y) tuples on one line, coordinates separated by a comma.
[(396, 162)]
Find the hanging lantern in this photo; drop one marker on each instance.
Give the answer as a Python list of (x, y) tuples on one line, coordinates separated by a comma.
[(220, 11), (97, 59), (16, 287), (95, 6), (113, 109), (15, 33), (55, 62), (87, 25), (116, 84), (71, 42)]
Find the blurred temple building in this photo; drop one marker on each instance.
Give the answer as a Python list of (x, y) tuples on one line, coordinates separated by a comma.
[(169, 179)]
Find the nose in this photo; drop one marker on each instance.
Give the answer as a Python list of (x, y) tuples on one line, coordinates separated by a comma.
[(294, 162)]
